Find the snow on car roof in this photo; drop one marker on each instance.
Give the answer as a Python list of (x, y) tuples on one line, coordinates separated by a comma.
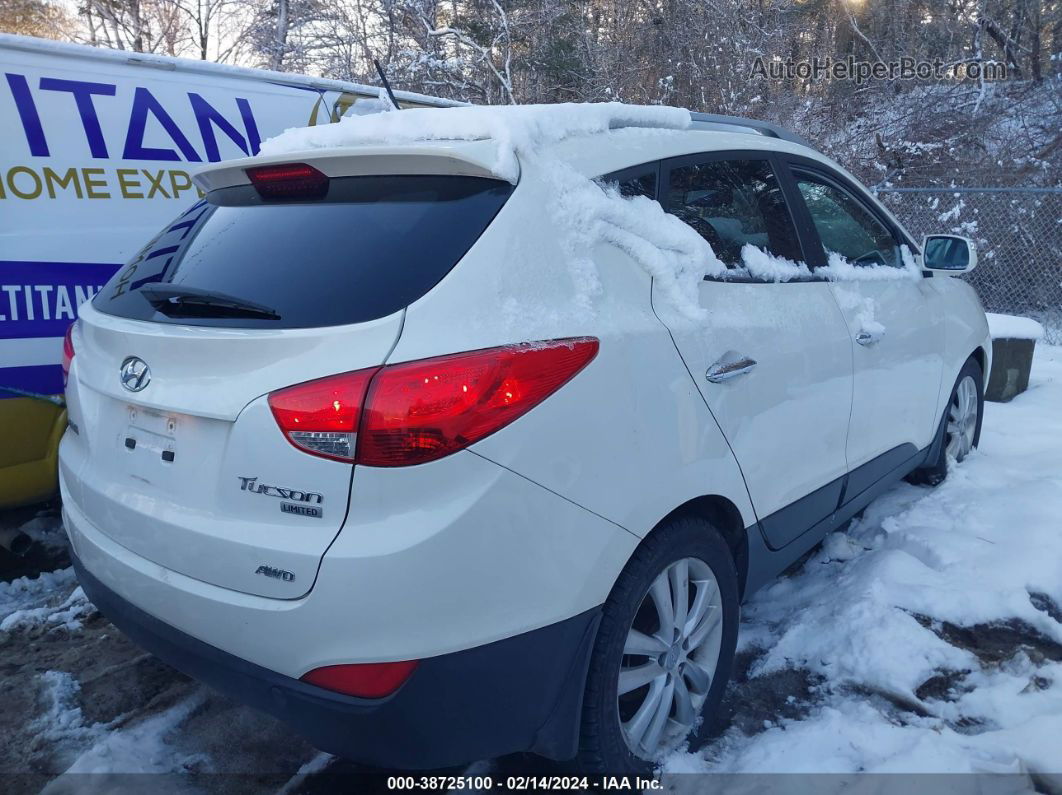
[(494, 140), (515, 129)]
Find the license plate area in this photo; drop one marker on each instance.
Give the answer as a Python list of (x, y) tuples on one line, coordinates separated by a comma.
[(151, 434)]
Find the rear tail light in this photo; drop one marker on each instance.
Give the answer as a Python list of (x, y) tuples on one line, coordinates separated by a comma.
[(419, 411), (288, 181), (68, 351), (321, 417), (365, 680)]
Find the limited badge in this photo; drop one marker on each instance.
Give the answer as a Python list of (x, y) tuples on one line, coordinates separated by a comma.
[(301, 510)]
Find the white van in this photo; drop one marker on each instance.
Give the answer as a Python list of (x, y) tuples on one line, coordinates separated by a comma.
[(98, 148)]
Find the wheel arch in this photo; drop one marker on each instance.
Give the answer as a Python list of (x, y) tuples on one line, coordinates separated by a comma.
[(725, 516), (980, 355)]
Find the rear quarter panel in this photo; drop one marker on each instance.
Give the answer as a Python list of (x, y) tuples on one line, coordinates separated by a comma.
[(629, 438)]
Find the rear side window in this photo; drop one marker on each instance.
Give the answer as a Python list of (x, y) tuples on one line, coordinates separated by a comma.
[(731, 204), (372, 246), (635, 181), (642, 185)]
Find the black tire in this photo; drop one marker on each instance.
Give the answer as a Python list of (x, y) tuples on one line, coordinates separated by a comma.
[(602, 747), (935, 471)]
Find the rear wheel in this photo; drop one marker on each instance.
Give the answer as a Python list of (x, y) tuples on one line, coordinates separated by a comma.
[(664, 650), (961, 425)]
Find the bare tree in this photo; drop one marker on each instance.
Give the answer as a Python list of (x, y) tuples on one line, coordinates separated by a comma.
[(681, 52), (35, 18), (214, 29), (137, 25)]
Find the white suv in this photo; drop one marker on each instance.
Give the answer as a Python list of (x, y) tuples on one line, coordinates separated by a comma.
[(342, 445)]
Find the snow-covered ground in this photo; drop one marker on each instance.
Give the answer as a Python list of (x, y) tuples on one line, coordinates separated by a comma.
[(931, 630), (926, 637)]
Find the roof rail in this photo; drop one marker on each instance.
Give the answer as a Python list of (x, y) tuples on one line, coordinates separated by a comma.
[(715, 121)]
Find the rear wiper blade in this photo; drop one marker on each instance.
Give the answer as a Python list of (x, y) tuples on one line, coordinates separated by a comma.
[(187, 300)]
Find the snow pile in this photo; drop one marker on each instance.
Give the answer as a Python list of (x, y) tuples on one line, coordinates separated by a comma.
[(318, 764), (761, 265), (143, 747), (515, 129), (140, 747), (27, 603), (1013, 327), (666, 248), (60, 719), (933, 623), (838, 269), (17, 594)]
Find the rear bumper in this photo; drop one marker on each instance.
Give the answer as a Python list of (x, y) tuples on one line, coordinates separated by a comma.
[(523, 693)]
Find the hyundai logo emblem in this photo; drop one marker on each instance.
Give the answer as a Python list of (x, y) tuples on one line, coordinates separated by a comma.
[(135, 374)]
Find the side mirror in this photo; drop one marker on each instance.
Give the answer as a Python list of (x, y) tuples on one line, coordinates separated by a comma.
[(950, 254)]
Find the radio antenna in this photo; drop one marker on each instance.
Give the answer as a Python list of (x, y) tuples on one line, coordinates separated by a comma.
[(386, 84)]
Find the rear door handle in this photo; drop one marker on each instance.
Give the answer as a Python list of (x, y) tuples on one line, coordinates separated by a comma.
[(725, 369), (870, 336)]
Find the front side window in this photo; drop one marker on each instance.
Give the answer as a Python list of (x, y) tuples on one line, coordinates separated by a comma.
[(731, 204), (846, 226)]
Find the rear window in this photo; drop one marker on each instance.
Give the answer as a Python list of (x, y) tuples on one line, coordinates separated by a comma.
[(370, 247)]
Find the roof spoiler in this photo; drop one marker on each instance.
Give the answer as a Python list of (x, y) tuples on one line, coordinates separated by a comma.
[(420, 159), (715, 121)]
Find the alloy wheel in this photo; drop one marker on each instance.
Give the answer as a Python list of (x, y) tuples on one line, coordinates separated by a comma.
[(962, 419), (670, 658)]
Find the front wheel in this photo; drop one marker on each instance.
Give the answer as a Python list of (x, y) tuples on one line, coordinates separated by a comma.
[(961, 425), (664, 649)]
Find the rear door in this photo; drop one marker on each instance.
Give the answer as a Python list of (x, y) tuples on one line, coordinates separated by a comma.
[(773, 361), (176, 453), (896, 341)]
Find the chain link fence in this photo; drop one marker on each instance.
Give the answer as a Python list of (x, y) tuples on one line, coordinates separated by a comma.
[(1018, 232)]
